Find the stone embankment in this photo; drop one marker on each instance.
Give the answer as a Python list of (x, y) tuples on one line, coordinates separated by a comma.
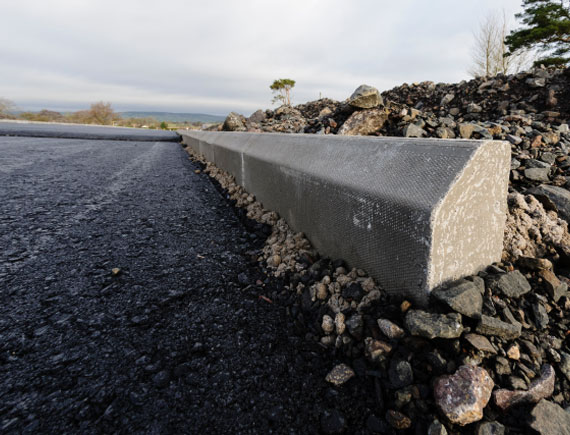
[(490, 354)]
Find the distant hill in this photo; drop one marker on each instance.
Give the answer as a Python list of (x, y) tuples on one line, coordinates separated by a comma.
[(174, 117)]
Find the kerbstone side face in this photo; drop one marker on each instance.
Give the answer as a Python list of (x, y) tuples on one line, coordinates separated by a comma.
[(414, 213)]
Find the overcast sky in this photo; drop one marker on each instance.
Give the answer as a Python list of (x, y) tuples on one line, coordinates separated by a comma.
[(218, 56)]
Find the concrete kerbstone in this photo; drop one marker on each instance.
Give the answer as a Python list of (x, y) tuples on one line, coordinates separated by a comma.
[(415, 213)]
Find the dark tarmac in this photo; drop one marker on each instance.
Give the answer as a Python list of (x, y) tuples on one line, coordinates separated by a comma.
[(121, 310)]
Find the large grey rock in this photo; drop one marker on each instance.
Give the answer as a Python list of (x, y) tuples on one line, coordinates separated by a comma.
[(537, 174), (412, 227), (447, 98), (365, 97), (258, 116), (234, 122), (413, 130), (363, 123), (432, 325), (491, 326), (511, 284), (559, 196), (464, 296), (550, 419)]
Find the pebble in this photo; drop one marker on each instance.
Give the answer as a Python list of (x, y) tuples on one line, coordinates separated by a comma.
[(340, 374), (490, 428), (390, 329), (376, 349), (436, 428), (398, 420), (400, 373), (339, 323), (327, 324), (322, 291), (514, 352)]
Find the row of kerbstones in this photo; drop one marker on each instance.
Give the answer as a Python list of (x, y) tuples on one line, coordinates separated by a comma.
[(462, 396)]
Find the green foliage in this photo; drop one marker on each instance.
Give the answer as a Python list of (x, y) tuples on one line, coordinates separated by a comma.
[(164, 125), (282, 90), (547, 29)]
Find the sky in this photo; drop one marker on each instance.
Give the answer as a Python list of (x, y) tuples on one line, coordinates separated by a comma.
[(218, 56)]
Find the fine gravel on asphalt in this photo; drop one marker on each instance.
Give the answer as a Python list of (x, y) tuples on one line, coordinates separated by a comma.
[(131, 302)]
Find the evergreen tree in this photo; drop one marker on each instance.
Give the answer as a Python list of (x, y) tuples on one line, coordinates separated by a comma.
[(547, 29), (282, 88)]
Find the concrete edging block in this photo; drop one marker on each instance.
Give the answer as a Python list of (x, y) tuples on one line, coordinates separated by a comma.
[(415, 213)]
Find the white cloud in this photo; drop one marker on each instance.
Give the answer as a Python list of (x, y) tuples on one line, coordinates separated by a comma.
[(222, 56)]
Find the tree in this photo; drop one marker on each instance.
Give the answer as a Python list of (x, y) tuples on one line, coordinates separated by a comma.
[(282, 89), (547, 29), (490, 53), (102, 113), (6, 106)]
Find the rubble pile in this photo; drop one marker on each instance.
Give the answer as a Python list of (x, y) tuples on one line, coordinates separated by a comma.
[(490, 354)]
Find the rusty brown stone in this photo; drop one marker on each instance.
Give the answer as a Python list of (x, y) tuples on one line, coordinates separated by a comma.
[(536, 142), (461, 397)]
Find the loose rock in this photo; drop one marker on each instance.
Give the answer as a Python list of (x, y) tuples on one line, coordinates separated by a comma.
[(390, 329), (550, 419), (340, 374), (539, 389), (431, 325), (511, 285), (461, 397), (464, 297), (365, 97), (491, 326)]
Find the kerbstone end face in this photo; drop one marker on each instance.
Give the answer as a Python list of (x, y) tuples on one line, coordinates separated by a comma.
[(412, 227), (469, 223)]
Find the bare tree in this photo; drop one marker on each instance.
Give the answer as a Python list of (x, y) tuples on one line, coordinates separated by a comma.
[(102, 113), (6, 106), (490, 53)]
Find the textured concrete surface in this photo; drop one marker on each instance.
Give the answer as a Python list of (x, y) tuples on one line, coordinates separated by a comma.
[(79, 131), (415, 213)]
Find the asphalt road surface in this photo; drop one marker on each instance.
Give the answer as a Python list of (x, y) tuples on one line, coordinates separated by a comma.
[(121, 310)]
